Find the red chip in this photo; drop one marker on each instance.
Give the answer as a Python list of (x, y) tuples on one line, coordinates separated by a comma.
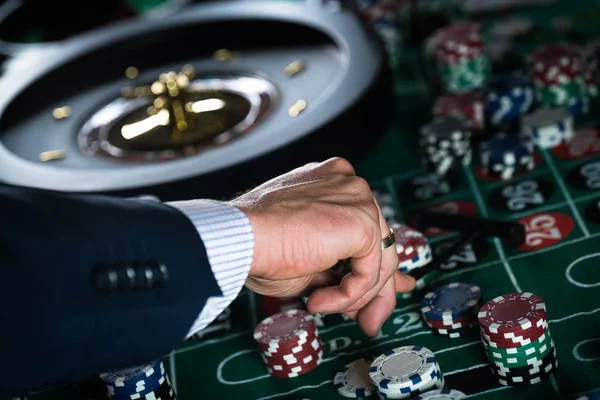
[(468, 106), (545, 229), (408, 241), (513, 314), (458, 39), (297, 371), (505, 343), (287, 326), (549, 63)]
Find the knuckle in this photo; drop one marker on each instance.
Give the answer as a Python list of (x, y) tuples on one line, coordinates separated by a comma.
[(361, 185), (339, 164)]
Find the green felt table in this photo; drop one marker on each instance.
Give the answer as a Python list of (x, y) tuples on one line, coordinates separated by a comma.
[(563, 269)]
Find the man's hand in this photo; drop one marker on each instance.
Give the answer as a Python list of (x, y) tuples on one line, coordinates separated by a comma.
[(307, 220)]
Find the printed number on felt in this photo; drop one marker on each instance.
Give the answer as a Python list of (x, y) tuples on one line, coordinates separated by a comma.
[(522, 194)]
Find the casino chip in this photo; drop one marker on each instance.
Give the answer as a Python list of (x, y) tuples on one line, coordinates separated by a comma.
[(353, 380), (585, 176), (459, 52), (414, 255), (548, 127), (445, 144), (412, 247), (149, 381), (515, 335), (451, 310), (467, 106), (442, 394), (506, 155), (522, 196), (508, 97), (559, 72), (405, 372), (289, 343)]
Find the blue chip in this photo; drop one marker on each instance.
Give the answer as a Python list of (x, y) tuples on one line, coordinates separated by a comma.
[(507, 97), (134, 381), (505, 149), (451, 301)]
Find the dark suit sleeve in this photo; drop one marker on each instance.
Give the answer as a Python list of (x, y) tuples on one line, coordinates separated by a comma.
[(70, 305)]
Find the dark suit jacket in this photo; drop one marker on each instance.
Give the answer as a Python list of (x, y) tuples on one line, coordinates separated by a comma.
[(70, 307)]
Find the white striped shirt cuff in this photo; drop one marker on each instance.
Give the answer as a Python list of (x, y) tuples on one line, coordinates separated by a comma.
[(229, 241)]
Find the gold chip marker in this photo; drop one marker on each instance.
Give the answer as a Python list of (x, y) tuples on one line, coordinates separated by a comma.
[(131, 72), (297, 108), (61, 112), (224, 55), (52, 155), (294, 68)]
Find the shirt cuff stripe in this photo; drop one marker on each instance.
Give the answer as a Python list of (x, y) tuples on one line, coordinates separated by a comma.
[(229, 241)]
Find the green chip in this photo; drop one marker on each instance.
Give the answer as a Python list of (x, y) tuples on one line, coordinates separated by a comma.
[(518, 357)]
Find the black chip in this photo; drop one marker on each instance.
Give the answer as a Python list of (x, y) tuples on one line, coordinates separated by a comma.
[(585, 176), (521, 196), (592, 211), (469, 256), (429, 186)]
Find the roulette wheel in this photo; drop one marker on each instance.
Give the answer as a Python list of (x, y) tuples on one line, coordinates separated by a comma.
[(207, 102)]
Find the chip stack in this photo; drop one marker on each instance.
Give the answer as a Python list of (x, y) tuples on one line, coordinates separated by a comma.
[(451, 310), (289, 343), (459, 52), (507, 98), (548, 127), (404, 372), (445, 144), (414, 255), (516, 338), (149, 381), (559, 73), (468, 106), (507, 155)]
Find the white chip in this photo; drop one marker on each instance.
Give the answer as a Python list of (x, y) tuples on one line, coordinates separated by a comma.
[(353, 380), (402, 367)]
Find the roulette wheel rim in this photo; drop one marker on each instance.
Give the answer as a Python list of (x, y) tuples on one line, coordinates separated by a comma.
[(350, 85)]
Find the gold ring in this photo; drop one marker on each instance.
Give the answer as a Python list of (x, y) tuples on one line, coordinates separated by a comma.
[(388, 241)]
